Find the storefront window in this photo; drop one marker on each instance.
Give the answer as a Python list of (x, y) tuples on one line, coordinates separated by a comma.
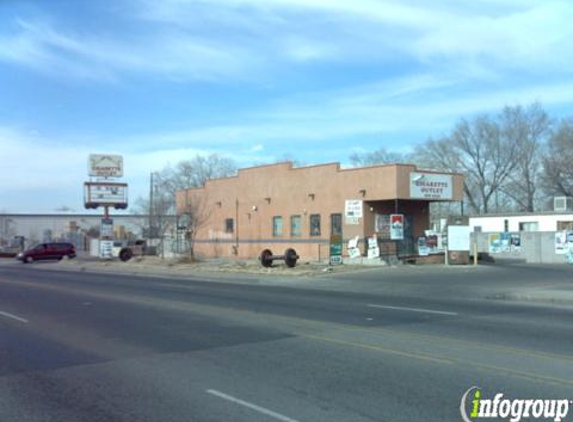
[(229, 225), (277, 226), (315, 224), (336, 224), (295, 225)]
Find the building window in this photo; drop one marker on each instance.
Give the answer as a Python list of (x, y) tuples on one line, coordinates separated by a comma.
[(229, 225), (528, 226), (295, 225), (277, 226), (564, 225), (315, 224), (336, 224)]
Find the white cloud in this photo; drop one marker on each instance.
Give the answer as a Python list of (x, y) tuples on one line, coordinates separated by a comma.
[(238, 40), (388, 111), (169, 53)]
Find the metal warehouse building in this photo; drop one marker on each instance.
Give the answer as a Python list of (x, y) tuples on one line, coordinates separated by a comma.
[(278, 206)]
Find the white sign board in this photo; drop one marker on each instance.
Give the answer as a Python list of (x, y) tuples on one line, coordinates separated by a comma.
[(430, 186), (396, 226), (353, 208), (561, 242), (105, 165), (459, 238), (105, 193), (106, 249), (106, 228)]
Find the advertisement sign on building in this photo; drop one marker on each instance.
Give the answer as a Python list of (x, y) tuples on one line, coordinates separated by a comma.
[(353, 208), (431, 186), (561, 242), (423, 249), (494, 242), (382, 224), (505, 240), (105, 165), (396, 226), (515, 242)]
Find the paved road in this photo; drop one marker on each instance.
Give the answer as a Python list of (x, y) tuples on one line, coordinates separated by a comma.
[(89, 347)]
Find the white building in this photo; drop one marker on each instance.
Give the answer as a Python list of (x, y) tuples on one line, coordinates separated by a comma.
[(518, 222)]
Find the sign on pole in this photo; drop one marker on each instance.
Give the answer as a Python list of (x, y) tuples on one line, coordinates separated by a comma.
[(105, 165), (106, 228), (336, 245), (106, 249), (98, 194)]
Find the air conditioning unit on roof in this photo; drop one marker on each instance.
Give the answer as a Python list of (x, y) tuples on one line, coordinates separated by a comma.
[(562, 203)]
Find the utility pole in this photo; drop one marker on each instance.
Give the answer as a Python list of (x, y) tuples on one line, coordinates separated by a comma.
[(149, 234)]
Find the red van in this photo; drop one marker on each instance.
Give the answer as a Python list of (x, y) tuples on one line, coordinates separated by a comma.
[(56, 250)]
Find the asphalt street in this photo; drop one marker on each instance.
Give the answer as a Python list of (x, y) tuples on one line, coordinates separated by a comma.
[(100, 347)]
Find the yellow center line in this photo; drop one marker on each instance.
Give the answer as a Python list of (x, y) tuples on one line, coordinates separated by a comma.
[(380, 349), (521, 374)]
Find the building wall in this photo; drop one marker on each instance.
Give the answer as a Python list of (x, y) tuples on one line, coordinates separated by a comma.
[(536, 248), (545, 222), (256, 195)]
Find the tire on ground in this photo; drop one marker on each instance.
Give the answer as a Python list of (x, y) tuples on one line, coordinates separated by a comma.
[(125, 254)]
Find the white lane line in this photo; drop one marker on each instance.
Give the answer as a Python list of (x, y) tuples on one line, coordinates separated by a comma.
[(399, 308), (251, 406), (17, 318)]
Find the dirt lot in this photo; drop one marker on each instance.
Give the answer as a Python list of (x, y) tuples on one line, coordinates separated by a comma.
[(151, 264)]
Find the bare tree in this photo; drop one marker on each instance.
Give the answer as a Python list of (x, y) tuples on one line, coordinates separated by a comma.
[(527, 128), (557, 175), (477, 149), (195, 172), (194, 216), (380, 156), (158, 215)]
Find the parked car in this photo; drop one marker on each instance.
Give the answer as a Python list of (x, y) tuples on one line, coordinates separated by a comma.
[(53, 250)]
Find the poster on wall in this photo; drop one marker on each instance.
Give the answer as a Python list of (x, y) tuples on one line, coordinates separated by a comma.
[(561, 242), (494, 242), (434, 241), (383, 226), (515, 243), (423, 249), (396, 226), (353, 208), (569, 239), (505, 240)]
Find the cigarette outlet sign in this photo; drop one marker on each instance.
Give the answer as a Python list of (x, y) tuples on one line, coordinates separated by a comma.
[(430, 186), (105, 165)]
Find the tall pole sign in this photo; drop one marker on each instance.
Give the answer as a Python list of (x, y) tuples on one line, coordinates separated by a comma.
[(105, 192)]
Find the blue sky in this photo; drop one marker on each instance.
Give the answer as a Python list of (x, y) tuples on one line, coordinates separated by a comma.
[(256, 80)]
